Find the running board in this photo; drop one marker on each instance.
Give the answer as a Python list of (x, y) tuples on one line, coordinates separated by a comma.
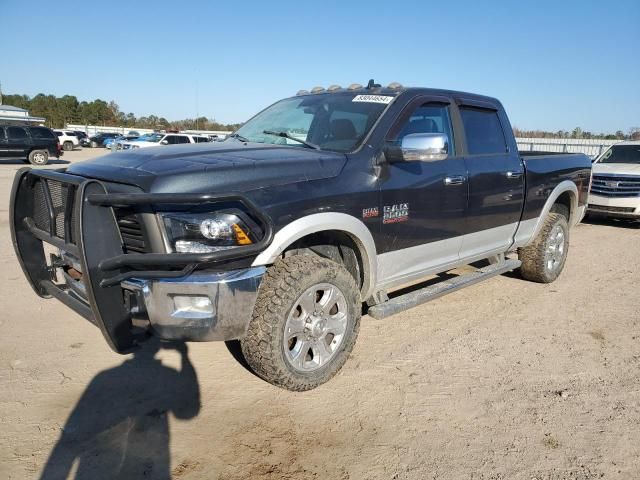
[(424, 295)]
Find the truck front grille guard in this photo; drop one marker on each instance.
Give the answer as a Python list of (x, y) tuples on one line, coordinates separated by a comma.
[(78, 217)]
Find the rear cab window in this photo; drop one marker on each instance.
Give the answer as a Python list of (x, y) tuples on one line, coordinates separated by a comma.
[(483, 131)]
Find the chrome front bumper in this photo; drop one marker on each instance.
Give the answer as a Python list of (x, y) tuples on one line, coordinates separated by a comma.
[(201, 306), (619, 207)]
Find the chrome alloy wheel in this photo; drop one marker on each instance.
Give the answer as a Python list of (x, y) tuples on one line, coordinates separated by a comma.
[(315, 327), (39, 158), (556, 248)]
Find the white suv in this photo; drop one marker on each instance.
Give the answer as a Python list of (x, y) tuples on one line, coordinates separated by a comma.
[(67, 139), (615, 189), (162, 139)]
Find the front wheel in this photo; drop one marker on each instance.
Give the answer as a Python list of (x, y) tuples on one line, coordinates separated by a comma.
[(305, 322), (94, 144), (544, 259), (39, 157)]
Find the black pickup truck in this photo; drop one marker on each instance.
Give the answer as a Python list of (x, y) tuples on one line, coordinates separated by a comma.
[(322, 206)]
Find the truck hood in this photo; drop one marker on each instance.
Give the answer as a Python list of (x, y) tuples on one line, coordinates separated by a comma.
[(617, 168), (212, 167)]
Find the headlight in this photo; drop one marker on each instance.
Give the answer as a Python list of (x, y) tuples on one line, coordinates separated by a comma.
[(205, 232)]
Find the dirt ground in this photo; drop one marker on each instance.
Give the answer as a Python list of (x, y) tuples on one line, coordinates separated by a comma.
[(506, 379)]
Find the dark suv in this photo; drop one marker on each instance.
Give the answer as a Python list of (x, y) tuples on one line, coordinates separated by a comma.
[(99, 139), (30, 144)]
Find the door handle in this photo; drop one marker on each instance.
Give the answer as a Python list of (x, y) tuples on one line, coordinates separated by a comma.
[(512, 174), (454, 180)]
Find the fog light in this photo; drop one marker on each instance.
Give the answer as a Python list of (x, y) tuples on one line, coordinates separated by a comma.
[(192, 304)]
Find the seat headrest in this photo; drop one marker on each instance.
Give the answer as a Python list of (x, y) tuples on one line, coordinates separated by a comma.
[(343, 129)]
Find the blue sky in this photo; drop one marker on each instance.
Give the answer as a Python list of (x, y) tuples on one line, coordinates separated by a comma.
[(555, 65)]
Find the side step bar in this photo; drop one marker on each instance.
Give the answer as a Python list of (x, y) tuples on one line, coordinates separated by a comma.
[(424, 295)]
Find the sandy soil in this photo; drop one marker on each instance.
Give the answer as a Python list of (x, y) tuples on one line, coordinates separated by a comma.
[(506, 379)]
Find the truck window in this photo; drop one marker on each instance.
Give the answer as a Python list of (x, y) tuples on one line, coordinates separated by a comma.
[(483, 131), (428, 118), (16, 134)]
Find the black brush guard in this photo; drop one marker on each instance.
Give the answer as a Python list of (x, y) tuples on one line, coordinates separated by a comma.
[(75, 214)]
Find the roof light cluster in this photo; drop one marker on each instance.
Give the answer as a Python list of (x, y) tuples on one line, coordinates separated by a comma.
[(353, 86)]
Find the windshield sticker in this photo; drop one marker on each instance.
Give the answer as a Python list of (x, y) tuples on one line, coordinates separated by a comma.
[(395, 213), (373, 99)]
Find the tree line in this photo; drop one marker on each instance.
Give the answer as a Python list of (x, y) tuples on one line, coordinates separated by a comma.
[(578, 133), (60, 111)]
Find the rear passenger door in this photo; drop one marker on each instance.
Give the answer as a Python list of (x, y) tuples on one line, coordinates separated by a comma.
[(18, 142), (495, 181)]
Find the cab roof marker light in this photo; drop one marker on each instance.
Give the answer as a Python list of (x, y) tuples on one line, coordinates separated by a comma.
[(334, 88), (394, 86), (302, 92), (354, 86), (317, 90)]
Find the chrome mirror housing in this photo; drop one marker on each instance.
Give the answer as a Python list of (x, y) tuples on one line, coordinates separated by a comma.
[(425, 147)]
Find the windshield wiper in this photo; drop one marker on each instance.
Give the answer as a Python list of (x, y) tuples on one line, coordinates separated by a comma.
[(239, 137), (291, 137)]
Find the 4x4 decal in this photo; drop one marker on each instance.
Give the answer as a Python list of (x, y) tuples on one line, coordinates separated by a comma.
[(395, 213)]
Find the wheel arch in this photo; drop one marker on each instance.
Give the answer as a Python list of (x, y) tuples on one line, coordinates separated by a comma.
[(327, 222), (565, 193)]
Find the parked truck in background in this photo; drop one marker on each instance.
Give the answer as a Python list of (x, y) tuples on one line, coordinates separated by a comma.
[(615, 191), (320, 206)]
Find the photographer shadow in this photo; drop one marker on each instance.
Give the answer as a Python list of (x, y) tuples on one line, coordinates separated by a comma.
[(120, 426)]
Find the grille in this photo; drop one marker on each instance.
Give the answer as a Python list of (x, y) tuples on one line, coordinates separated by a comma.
[(616, 185), (131, 231), (60, 199), (605, 208)]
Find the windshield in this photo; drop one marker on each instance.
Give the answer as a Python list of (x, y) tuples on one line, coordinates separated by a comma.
[(622, 154), (155, 138), (336, 121)]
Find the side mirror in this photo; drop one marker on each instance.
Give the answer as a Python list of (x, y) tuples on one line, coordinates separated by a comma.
[(423, 147), (164, 142)]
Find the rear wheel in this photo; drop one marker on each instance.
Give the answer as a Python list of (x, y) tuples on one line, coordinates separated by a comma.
[(94, 144), (39, 157), (304, 324), (67, 146), (544, 259)]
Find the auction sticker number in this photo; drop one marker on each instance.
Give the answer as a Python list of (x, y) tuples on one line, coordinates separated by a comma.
[(373, 99)]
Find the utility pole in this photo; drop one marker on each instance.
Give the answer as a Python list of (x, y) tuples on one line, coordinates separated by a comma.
[(0, 93)]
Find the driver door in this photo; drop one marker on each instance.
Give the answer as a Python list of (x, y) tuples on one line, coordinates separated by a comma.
[(423, 203)]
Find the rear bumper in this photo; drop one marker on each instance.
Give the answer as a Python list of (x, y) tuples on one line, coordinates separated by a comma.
[(223, 304), (620, 207)]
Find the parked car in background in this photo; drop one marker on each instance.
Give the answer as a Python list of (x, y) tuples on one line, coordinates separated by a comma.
[(615, 188), (30, 144), (83, 138), (68, 139), (98, 139), (109, 142), (164, 139)]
